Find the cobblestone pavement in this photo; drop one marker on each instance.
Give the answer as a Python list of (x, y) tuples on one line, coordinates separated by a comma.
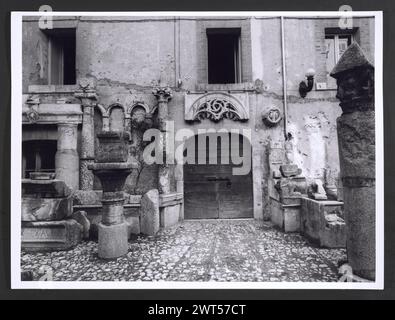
[(221, 250)]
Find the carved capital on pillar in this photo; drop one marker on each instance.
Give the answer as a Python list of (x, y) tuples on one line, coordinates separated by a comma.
[(163, 94), (355, 80), (86, 92)]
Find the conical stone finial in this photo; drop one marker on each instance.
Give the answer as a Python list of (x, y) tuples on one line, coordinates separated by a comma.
[(354, 74), (351, 59)]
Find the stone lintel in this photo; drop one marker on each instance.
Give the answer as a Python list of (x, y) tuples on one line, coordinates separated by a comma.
[(53, 113), (52, 88)]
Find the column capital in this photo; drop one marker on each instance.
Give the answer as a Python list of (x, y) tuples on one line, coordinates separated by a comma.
[(354, 74), (163, 94), (86, 92)]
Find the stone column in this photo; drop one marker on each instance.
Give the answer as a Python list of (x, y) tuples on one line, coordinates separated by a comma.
[(66, 158), (88, 98), (356, 135), (163, 95), (111, 166)]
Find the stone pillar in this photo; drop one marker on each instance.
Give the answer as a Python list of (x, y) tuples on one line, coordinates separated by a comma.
[(88, 98), (356, 135), (66, 158), (163, 95)]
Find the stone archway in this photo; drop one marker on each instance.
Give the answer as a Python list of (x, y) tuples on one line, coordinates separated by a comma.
[(213, 191)]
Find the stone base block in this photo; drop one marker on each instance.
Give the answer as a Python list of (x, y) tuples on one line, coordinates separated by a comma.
[(322, 222), (291, 218), (169, 216), (285, 217), (133, 224), (113, 240), (334, 234), (50, 235), (277, 214), (149, 213)]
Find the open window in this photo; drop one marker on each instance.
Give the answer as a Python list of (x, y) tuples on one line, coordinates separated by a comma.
[(38, 155), (224, 65), (61, 55), (336, 42)]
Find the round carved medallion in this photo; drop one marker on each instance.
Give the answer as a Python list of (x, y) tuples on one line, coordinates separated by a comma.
[(32, 116), (272, 117)]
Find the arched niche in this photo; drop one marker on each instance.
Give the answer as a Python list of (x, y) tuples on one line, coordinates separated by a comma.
[(117, 117)]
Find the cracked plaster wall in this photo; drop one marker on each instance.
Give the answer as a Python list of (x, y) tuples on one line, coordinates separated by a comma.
[(128, 57)]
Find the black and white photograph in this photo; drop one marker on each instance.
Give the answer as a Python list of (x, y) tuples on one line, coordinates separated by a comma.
[(197, 150)]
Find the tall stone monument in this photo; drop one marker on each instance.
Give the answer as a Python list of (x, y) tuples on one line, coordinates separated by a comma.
[(356, 135), (87, 94), (112, 168)]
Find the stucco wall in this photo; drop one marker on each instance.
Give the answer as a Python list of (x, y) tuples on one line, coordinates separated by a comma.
[(311, 121), (128, 56)]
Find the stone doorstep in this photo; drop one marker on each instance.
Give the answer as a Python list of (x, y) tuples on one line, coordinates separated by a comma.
[(50, 235)]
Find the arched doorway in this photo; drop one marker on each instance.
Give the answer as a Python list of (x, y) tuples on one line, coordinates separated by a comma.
[(213, 191)]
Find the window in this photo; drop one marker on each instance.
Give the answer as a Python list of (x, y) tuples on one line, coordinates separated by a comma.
[(38, 155), (61, 52), (336, 42), (223, 55)]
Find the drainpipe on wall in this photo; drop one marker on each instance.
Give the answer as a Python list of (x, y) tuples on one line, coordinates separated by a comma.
[(284, 72)]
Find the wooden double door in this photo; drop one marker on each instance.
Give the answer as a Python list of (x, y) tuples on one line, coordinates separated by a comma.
[(212, 191)]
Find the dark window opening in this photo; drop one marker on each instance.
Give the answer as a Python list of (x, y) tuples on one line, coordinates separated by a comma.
[(62, 52), (223, 55), (38, 155)]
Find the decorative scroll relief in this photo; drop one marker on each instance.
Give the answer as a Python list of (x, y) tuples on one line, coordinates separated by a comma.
[(216, 106)]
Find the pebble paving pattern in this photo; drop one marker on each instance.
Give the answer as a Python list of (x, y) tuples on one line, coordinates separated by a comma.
[(199, 250)]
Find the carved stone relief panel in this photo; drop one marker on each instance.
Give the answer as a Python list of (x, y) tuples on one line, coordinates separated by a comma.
[(216, 106)]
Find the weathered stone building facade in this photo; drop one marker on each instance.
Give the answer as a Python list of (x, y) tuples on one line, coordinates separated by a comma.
[(134, 73)]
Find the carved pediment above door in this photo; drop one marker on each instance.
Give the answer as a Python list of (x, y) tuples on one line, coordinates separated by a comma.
[(216, 106)]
